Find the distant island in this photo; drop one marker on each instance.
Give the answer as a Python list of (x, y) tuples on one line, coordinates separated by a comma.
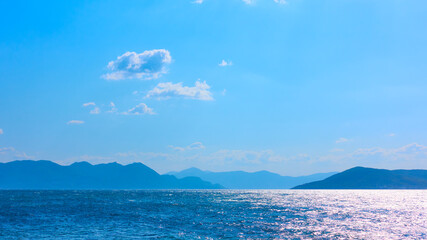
[(83, 175), (47, 175), (250, 180), (371, 178)]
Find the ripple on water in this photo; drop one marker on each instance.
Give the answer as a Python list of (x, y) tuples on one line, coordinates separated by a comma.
[(191, 214)]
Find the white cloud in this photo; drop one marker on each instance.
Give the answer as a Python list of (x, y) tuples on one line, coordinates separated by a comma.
[(409, 149), (224, 63), (409, 156), (88, 104), (180, 149), (167, 90), (248, 157), (1, 131), (139, 109), (412, 155), (75, 122), (249, 1), (10, 153), (96, 110), (337, 150), (281, 1), (113, 108), (342, 140), (193, 146), (149, 64), (391, 135), (198, 1)]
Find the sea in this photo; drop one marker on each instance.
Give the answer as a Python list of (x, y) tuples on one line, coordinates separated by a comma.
[(214, 214)]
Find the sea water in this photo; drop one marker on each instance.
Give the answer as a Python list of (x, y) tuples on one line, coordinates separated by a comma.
[(214, 214)]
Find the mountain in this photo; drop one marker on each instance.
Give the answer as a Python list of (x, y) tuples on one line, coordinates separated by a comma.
[(371, 178), (246, 180), (43, 174)]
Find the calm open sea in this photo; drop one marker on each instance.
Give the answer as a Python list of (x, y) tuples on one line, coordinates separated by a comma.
[(206, 214)]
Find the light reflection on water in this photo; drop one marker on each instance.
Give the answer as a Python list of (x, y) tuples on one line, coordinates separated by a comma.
[(186, 214)]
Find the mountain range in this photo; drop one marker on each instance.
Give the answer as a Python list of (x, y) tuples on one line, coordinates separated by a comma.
[(371, 178), (247, 180), (28, 174), (42, 174)]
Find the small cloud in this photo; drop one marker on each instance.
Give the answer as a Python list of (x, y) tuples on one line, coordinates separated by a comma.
[(179, 149), (224, 92), (342, 140), (249, 1), (337, 150), (12, 154), (193, 146), (224, 63), (1, 131), (167, 90), (113, 108), (139, 109), (281, 1), (196, 145), (88, 104), (149, 64), (95, 110), (198, 1), (391, 135), (75, 122)]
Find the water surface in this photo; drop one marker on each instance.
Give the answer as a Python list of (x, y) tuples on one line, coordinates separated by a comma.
[(214, 214)]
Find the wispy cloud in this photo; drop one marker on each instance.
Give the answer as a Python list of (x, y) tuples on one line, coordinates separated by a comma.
[(193, 146), (409, 156), (10, 153), (281, 1), (75, 122), (249, 1), (113, 108), (88, 104), (1, 131), (198, 1), (391, 135), (342, 140), (149, 64), (409, 149), (140, 109), (167, 90), (225, 63), (412, 155), (95, 110)]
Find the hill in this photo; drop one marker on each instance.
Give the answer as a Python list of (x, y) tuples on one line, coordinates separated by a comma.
[(371, 178), (83, 175), (247, 180)]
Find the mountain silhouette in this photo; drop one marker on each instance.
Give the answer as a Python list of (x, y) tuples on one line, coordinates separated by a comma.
[(371, 178), (44, 174), (247, 180)]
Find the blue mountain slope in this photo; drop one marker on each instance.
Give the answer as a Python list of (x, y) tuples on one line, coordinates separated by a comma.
[(48, 175), (371, 178), (246, 180)]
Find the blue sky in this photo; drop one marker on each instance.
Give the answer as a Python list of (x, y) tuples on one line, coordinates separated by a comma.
[(293, 87)]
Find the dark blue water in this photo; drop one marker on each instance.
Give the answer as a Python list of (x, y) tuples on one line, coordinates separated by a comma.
[(282, 214)]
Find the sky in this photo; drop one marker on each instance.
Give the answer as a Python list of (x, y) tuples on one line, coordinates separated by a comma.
[(294, 87)]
